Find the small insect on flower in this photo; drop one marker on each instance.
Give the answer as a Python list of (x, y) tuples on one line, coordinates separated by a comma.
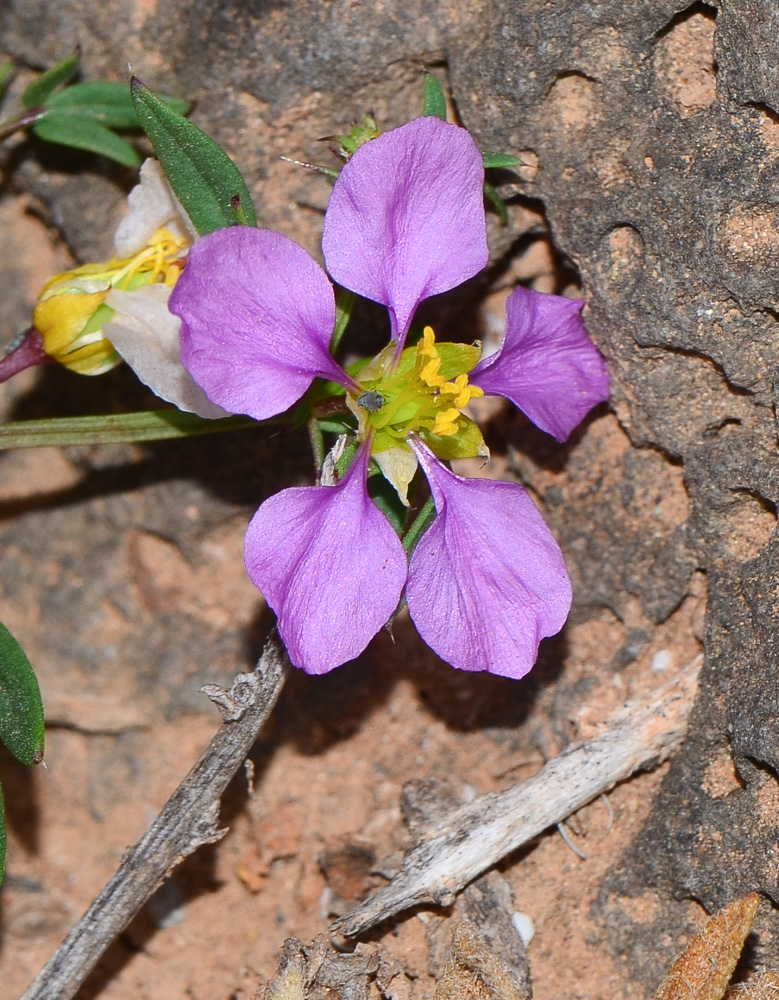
[(371, 401)]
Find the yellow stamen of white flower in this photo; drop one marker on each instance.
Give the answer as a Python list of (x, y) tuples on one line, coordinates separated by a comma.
[(70, 311)]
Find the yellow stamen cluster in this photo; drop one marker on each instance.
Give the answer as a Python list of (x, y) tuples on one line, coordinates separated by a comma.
[(459, 390), (419, 397)]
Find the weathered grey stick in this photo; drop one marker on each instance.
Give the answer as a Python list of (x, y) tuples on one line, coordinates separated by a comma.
[(457, 848), (187, 821)]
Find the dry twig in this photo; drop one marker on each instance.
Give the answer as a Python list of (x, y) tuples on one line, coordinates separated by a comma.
[(187, 821), (453, 851)]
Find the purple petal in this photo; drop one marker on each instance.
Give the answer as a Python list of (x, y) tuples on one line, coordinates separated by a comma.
[(406, 217), (330, 566), (487, 581), (547, 365), (257, 316)]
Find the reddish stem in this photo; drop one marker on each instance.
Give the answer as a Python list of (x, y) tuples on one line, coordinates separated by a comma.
[(28, 353)]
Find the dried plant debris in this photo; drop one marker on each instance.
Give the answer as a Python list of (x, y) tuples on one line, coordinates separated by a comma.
[(764, 987), (475, 972), (313, 970), (703, 970)]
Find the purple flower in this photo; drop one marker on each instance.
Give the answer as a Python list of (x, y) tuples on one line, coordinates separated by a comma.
[(487, 580)]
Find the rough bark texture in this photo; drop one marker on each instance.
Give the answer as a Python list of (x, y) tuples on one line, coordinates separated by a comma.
[(651, 143)]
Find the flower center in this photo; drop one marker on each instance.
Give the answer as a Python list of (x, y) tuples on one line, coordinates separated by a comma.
[(424, 394)]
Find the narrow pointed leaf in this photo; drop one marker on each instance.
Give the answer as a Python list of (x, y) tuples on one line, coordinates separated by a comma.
[(40, 88), (69, 129), (435, 101), (202, 175), (106, 101), (21, 709), (497, 203), (495, 161)]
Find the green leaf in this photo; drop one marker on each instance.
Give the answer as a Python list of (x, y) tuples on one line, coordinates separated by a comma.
[(69, 129), (36, 92), (435, 101), (115, 428), (496, 161), (6, 70), (497, 203), (21, 709), (468, 442), (337, 425), (204, 178), (106, 101)]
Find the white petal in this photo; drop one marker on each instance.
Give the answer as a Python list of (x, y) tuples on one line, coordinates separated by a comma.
[(152, 204), (147, 337), (398, 465)]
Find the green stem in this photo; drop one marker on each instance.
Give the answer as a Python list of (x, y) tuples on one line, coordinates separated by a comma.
[(344, 304), (419, 526), (120, 428), (317, 440)]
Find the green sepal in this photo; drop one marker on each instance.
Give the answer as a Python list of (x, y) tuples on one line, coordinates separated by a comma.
[(106, 101), (68, 129), (466, 443), (497, 203), (500, 161), (35, 93), (457, 358), (434, 104), (386, 498), (203, 177), (102, 315), (21, 708)]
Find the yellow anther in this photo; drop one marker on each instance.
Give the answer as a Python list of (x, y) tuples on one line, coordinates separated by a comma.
[(446, 422), (161, 257), (462, 392), (426, 347), (429, 374)]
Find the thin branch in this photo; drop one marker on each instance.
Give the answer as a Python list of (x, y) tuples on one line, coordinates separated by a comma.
[(187, 821), (456, 849)]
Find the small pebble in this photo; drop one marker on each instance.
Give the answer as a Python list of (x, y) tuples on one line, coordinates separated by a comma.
[(662, 660), (524, 926)]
